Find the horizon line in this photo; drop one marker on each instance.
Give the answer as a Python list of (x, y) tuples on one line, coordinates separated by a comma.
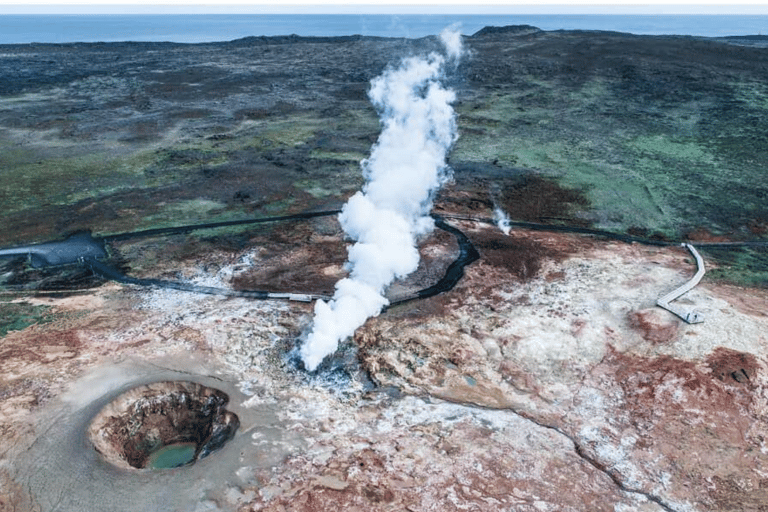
[(302, 7)]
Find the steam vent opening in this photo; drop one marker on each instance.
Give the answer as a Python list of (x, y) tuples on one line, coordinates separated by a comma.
[(163, 425)]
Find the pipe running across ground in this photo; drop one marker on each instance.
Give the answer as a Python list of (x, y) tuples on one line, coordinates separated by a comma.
[(454, 272), (89, 251)]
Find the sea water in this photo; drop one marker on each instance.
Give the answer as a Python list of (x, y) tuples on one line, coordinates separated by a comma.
[(199, 28)]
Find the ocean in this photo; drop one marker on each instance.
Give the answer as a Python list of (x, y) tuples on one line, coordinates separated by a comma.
[(199, 28)]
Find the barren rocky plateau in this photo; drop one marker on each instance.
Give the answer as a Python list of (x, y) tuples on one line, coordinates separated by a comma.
[(546, 380)]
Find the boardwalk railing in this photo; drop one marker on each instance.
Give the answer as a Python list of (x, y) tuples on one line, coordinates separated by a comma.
[(689, 315)]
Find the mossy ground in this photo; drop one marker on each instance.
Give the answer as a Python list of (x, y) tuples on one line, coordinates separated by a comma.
[(657, 140), (15, 316), (668, 171), (257, 168), (741, 266)]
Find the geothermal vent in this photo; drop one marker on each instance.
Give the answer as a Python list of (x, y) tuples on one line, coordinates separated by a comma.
[(163, 425)]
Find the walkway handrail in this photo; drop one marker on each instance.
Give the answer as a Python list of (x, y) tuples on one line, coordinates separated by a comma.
[(691, 316)]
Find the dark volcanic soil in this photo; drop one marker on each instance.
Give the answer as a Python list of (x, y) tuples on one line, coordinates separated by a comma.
[(663, 135)]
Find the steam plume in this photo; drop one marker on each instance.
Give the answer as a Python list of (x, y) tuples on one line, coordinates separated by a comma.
[(502, 220), (404, 170)]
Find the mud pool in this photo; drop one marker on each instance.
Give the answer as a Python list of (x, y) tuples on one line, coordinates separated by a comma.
[(156, 424), (64, 472)]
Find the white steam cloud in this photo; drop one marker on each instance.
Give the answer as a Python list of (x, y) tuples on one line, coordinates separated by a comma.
[(502, 220), (404, 170)]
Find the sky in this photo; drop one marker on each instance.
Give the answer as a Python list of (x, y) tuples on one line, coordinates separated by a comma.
[(390, 7)]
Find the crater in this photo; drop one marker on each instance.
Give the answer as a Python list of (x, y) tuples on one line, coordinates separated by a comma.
[(163, 425)]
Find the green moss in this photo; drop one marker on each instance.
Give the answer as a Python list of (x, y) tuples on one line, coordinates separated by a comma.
[(344, 156), (664, 147), (190, 156), (278, 207), (753, 93), (284, 132), (664, 167), (189, 211), (357, 121), (315, 188), (15, 316), (513, 128), (741, 266), (42, 179)]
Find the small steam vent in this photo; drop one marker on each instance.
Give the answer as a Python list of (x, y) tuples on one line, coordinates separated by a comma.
[(163, 425)]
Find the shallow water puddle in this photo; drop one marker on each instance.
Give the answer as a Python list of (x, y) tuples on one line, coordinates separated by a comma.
[(172, 456)]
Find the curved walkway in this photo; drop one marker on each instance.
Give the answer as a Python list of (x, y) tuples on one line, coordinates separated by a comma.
[(689, 315)]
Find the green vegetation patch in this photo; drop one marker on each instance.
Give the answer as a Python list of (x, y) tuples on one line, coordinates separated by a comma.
[(287, 132), (357, 121), (753, 93), (34, 180), (190, 156), (343, 156), (185, 212), (315, 188), (277, 207), (747, 266), (696, 162), (189, 211), (662, 147), (16, 316)]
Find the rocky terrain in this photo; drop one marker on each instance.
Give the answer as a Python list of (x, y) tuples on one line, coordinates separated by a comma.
[(546, 380)]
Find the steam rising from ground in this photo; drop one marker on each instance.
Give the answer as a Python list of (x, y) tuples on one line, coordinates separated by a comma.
[(502, 220), (405, 169)]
